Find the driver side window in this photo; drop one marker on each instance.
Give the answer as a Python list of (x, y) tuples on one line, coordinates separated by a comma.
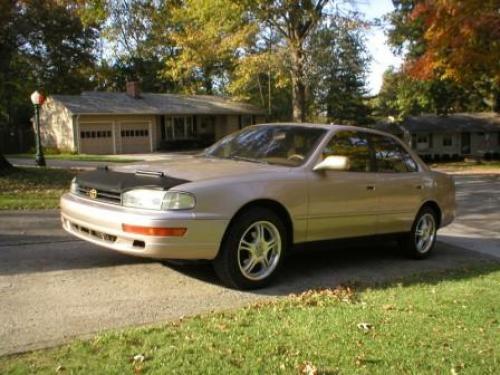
[(353, 145)]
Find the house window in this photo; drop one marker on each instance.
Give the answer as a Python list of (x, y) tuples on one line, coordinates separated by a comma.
[(422, 142), (447, 140), (179, 127)]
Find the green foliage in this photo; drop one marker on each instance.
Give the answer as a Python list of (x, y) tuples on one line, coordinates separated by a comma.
[(338, 71), (43, 44), (402, 95)]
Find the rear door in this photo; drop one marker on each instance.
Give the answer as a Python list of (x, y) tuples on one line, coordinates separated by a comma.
[(400, 185), (344, 203)]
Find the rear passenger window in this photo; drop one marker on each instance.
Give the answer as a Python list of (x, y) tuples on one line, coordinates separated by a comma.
[(390, 156), (355, 146)]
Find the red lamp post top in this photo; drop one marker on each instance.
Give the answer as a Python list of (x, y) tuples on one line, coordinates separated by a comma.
[(37, 98)]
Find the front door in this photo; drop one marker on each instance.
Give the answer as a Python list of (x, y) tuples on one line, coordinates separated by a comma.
[(465, 148), (344, 203)]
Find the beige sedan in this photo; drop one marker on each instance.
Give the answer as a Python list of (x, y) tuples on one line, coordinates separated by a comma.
[(246, 200)]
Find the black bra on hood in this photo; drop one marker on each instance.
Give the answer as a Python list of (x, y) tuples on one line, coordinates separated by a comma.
[(119, 182)]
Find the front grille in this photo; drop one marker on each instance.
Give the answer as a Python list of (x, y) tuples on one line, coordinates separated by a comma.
[(93, 233), (99, 195)]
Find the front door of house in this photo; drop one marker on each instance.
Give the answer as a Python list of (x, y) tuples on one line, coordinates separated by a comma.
[(465, 148)]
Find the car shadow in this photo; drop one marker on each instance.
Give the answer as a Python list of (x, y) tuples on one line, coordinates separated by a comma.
[(31, 254), (329, 265)]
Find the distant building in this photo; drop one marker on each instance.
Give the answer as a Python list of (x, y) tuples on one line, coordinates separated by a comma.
[(449, 137), (134, 122)]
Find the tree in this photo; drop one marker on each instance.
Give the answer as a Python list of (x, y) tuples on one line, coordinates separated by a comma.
[(451, 40), (402, 95), (338, 60), (43, 44), (139, 33), (295, 20), (210, 36)]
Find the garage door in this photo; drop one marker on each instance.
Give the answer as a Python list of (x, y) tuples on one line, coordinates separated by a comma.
[(96, 138), (135, 138)]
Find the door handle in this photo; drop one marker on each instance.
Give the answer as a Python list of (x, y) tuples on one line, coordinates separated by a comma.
[(370, 187)]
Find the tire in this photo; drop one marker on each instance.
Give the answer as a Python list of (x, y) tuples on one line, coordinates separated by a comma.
[(419, 243), (248, 257)]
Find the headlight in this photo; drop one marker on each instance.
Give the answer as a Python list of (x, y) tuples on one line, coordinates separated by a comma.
[(73, 188), (158, 200), (174, 200)]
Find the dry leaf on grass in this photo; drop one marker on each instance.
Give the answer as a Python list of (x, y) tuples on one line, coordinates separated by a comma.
[(365, 327), (139, 358), (307, 368)]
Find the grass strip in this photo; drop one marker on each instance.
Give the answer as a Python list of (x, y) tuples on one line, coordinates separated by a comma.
[(33, 188), (444, 323)]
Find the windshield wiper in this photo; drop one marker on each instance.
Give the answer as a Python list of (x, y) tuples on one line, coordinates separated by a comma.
[(243, 158)]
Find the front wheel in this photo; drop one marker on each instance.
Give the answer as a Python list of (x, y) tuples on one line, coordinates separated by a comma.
[(252, 251), (419, 243)]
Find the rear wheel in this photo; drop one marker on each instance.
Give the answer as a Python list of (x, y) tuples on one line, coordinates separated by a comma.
[(252, 251), (419, 243)]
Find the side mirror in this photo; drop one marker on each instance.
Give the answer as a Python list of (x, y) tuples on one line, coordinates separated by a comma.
[(333, 163)]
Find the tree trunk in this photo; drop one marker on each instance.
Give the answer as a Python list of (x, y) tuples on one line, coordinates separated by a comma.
[(298, 85), (4, 164)]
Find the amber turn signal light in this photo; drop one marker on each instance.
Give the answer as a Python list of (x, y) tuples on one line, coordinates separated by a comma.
[(154, 231)]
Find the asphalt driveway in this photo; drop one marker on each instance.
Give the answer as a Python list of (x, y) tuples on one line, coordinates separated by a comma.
[(54, 287)]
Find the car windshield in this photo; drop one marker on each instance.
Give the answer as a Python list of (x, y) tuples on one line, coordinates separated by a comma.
[(281, 144)]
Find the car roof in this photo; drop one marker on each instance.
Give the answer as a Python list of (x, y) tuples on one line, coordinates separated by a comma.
[(328, 127)]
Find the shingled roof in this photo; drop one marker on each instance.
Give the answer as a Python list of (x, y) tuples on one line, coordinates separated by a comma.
[(452, 123), (151, 104)]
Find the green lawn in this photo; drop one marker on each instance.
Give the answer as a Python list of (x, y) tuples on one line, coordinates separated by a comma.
[(33, 188), (446, 323), (77, 157)]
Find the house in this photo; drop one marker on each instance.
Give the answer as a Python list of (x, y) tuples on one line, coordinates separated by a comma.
[(453, 136), (134, 122)]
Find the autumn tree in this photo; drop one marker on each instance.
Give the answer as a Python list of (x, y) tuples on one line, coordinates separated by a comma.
[(209, 37), (453, 40)]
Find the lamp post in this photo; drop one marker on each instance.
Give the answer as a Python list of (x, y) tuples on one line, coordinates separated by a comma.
[(38, 99)]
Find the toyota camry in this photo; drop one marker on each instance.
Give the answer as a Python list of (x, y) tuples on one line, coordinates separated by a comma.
[(246, 200)]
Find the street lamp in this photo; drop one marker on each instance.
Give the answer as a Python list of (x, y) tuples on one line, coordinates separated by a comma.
[(38, 99)]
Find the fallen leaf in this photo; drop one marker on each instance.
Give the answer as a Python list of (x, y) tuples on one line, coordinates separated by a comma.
[(139, 358), (307, 368), (365, 326)]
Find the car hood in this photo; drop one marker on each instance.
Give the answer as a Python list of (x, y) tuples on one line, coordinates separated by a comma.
[(195, 168)]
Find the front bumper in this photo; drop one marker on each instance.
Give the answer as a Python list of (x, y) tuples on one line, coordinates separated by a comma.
[(101, 224)]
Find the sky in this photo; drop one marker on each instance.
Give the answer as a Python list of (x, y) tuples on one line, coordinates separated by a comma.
[(381, 54)]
